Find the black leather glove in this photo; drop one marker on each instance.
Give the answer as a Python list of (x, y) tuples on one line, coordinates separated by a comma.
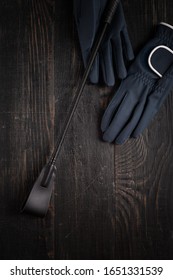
[(140, 95), (116, 46)]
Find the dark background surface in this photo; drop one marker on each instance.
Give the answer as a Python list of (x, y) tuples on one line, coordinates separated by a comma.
[(109, 202)]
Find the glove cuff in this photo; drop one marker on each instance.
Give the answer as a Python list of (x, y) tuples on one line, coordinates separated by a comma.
[(165, 33)]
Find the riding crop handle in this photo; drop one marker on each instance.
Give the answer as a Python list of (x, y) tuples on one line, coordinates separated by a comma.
[(38, 200), (110, 11)]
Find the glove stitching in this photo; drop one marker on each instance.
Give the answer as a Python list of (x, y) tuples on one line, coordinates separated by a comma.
[(144, 78), (167, 76)]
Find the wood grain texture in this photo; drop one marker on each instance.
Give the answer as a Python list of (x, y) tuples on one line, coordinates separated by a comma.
[(143, 166), (109, 201), (27, 120)]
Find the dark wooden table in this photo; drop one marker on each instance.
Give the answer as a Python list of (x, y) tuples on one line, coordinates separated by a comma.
[(109, 202)]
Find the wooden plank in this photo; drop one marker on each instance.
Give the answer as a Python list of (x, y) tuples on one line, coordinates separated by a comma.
[(143, 166), (85, 174), (27, 116), (109, 202)]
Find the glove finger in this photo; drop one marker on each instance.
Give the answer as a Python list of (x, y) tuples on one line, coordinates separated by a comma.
[(85, 15), (128, 129), (120, 119), (94, 73), (106, 64), (112, 108), (128, 50), (144, 121), (76, 8), (118, 58), (148, 113), (155, 100)]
